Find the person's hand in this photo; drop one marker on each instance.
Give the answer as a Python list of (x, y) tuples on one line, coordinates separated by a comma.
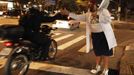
[(64, 11), (94, 14)]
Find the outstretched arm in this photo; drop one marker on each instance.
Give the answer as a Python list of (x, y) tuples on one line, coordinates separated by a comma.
[(53, 18), (46, 19), (80, 17)]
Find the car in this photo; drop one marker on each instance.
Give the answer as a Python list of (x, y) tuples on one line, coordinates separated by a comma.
[(67, 24), (13, 12), (1, 13)]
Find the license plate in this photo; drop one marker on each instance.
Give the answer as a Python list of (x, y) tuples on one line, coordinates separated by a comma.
[(5, 51)]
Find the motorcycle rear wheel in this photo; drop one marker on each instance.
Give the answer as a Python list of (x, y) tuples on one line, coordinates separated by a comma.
[(52, 50), (17, 64)]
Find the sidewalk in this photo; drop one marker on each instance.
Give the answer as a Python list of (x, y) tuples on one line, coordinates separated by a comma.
[(127, 62), (125, 53), (121, 63), (123, 24)]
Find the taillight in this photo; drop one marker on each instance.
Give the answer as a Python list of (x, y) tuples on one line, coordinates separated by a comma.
[(7, 44)]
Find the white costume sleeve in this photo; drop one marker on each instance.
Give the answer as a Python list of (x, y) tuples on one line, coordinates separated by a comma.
[(107, 16), (86, 18), (81, 17)]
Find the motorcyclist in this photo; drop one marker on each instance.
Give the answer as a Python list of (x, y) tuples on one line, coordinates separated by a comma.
[(31, 21)]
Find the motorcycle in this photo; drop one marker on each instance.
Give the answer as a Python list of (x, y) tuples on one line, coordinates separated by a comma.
[(24, 51)]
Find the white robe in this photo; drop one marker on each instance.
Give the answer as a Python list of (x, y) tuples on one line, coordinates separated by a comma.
[(105, 22)]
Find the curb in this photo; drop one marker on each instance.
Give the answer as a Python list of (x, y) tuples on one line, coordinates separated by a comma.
[(127, 63), (123, 25)]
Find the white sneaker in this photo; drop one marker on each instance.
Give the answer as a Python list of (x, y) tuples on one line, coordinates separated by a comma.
[(105, 72), (95, 71)]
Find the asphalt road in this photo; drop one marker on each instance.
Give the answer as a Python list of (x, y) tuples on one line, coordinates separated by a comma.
[(70, 60)]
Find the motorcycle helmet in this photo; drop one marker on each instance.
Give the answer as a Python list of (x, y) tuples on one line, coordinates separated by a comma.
[(33, 11)]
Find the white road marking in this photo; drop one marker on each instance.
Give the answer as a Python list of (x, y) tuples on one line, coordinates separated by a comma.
[(56, 34), (129, 48), (2, 57), (63, 37), (54, 68), (65, 45), (83, 49), (5, 51), (60, 69), (2, 62)]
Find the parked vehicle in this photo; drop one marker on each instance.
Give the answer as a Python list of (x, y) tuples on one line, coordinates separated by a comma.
[(12, 12), (1, 13), (24, 51), (71, 24)]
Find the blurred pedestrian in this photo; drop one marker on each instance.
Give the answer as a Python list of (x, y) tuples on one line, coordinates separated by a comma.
[(98, 28)]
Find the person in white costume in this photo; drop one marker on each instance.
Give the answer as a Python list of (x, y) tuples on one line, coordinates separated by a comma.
[(98, 28)]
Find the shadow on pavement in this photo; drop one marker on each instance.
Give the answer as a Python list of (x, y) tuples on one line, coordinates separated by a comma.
[(113, 72)]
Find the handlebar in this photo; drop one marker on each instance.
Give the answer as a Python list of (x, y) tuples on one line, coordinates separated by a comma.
[(47, 29)]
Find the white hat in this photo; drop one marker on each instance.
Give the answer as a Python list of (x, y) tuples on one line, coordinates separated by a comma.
[(104, 4)]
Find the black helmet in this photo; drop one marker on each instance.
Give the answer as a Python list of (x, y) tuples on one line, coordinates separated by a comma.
[(33, 11)]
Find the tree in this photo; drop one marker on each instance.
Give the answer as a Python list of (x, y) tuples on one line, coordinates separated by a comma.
[(69, 4), (20, 3)]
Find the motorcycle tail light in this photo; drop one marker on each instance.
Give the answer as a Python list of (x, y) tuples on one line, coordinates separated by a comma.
[(7, 44)]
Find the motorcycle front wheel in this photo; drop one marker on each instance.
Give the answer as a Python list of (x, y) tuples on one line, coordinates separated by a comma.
[(17, 64), (52, 49)]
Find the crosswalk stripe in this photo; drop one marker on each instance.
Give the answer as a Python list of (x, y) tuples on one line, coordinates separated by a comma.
[(129, 47), (2, 62), (65, 45), (56, 34), (64, 37), (2, 57), (59, 69), (83, 49), (5, 51)]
